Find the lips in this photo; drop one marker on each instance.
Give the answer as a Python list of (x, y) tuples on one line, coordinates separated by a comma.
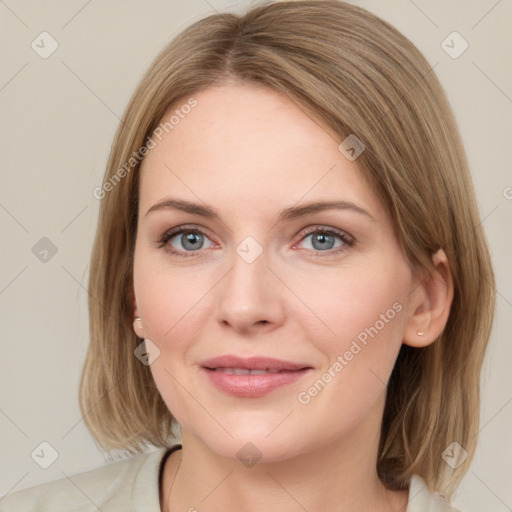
[(244, 371), (251, 363), (253, 376)]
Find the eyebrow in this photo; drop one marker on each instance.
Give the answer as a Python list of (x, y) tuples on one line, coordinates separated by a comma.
[(290, 213)]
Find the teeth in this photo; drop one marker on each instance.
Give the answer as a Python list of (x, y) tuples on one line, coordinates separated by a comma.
[(238, 371), (243, 371)]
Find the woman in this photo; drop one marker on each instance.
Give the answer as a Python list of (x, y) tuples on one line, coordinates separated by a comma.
[(289, 266)]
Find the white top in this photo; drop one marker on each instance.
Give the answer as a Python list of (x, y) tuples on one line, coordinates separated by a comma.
[(132, 485)]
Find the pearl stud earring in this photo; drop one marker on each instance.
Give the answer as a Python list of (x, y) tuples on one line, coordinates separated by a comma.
[(137, 324)]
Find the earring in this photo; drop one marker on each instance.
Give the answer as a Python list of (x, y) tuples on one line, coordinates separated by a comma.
[(420, 333), (137, 326)]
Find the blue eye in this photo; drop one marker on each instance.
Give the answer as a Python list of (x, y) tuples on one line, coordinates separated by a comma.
[(323, 240), (185, 240)]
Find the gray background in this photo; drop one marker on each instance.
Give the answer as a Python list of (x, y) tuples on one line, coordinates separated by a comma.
[(59, 116)]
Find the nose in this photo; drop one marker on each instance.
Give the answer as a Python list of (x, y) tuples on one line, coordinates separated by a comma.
[(250, 297)]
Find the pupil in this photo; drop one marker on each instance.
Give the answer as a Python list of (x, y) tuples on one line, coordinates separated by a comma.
[(192, 241)]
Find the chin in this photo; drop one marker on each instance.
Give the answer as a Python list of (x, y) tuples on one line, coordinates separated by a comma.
[(250, 444), (256, 449)]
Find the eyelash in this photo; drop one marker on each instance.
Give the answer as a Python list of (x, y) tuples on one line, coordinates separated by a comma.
[(347, 240)]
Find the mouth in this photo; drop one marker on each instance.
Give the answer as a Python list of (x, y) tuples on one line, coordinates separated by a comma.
[(252, 377), (244, 371), (251, 363), (255, 365)]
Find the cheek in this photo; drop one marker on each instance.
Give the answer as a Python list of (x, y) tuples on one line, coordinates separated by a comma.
[(363, 315), (168, 300), (354, 302)]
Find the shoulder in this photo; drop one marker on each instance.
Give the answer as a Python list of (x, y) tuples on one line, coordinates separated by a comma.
[(421, 499), (130, 484)]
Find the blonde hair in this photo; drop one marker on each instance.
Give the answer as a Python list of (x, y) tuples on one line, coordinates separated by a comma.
[(360, 76)]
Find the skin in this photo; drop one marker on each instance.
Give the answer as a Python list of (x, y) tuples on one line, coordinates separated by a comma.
[(249, 152)]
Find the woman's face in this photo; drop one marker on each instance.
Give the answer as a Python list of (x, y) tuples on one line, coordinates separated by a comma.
[(258, 238)]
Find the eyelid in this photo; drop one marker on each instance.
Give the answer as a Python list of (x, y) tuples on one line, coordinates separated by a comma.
[(192, 228), (326, 229)]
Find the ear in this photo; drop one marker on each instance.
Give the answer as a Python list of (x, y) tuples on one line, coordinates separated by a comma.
[(431, 301), (137, 322)]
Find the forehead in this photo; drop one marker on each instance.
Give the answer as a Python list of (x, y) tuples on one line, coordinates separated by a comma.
[(244, 147)]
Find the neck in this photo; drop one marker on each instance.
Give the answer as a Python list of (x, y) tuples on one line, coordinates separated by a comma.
[(339, 476)]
